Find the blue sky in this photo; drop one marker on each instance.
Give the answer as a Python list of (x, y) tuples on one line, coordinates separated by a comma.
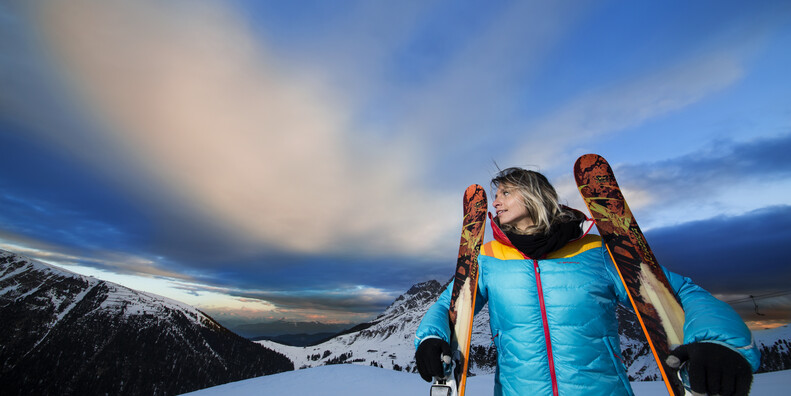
[(305, 160)]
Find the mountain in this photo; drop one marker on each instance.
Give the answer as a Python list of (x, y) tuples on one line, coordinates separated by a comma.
[(63, 333), (284, 327), (387, 341), (635, 352)]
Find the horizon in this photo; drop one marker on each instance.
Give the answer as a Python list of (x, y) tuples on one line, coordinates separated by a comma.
[(261, 160), (237, 325)]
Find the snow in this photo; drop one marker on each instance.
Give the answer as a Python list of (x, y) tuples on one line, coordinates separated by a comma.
[(30, 264), (136, 303), (770, 336), (346, 379)]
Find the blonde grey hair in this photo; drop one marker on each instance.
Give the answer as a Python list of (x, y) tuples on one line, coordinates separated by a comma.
[(538, 196)]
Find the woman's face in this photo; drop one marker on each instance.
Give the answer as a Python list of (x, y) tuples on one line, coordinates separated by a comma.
[(510, 209)]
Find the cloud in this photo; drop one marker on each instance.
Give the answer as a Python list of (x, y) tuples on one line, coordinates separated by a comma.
[(330, 304), (729, 254), (626, 103), (726, 178), (722, 164), (114, 262), (440, 78), (359, 300), (220, 125)]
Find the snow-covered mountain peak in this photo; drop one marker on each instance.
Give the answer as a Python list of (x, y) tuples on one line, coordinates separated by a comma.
[(87, 336), (417, 297), (431, 286), (21, 277)]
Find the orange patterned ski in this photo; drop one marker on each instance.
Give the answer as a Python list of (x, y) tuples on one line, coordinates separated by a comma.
[(658, 309), (465, 287)]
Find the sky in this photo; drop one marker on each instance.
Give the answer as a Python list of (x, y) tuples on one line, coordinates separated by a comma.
[(305, 160)]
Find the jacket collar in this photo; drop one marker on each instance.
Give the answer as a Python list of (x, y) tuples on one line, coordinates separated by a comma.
[(499, 234)]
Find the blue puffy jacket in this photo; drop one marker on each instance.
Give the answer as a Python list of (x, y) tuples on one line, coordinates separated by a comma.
[(554, 325)]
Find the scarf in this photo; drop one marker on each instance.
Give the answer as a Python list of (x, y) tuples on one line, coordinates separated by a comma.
[(537, 246)]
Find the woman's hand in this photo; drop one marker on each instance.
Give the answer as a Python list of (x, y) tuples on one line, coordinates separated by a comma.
[(713, 369), (429, 358)]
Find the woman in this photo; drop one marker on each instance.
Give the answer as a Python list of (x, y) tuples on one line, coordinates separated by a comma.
[(552, 292)]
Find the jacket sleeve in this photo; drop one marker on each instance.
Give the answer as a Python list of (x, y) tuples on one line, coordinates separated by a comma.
[(708, 319), (436, 322)]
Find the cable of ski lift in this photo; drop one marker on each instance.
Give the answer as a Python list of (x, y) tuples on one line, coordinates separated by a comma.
[(759, 297)]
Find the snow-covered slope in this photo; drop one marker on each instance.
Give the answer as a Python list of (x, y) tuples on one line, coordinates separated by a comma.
[(86, 336), (349, 380)]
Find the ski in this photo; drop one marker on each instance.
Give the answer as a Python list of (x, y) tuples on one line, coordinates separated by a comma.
[(658, 309), (462, 303)]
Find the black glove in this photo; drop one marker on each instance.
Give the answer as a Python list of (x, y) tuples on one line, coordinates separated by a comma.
[(713, 369), (429, 358)]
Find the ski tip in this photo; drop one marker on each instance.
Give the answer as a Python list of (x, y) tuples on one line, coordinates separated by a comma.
[(589, 161), (474, 187), (474, 191), (586, 159)]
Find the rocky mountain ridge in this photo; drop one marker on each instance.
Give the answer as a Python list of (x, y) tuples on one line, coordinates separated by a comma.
[(63, 333)]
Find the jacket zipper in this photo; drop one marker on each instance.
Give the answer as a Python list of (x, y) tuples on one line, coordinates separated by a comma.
[(546, 328), (500, 236)]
